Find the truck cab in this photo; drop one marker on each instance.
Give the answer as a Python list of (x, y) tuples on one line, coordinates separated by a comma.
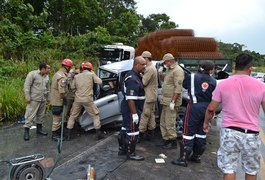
[(115, 53)]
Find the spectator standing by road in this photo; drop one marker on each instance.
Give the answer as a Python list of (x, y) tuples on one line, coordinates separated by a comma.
[(37, 92), (241, 97), (83, 85), (147, 122), (131, 109), (200, 87), (59, 89), (171, 100)]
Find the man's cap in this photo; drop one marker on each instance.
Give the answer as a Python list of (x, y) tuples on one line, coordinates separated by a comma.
[(146, 54), (167, 57)]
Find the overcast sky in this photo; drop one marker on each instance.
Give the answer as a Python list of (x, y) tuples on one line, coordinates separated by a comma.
[(229, 21)]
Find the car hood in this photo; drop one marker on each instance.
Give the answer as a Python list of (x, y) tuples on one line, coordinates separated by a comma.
[(118, 67)]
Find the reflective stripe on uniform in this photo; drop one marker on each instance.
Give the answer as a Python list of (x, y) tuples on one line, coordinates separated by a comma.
[(135, 97), (133, 133), (200, 136), (192, 90), (127, 77), (124, 87), (188, 137), (141, 97)]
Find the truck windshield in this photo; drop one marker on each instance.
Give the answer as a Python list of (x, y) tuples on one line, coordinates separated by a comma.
[(109, 54)]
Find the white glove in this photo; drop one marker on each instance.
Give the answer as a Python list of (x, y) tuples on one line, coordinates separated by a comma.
[(135, 118), (172, 105), (160, 70)]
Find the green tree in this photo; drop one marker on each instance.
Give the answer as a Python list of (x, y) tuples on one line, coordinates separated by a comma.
[(38, 5), (16, 28), (230, 51), (74, 16), (121, 19), (154, 22), (125, 26)]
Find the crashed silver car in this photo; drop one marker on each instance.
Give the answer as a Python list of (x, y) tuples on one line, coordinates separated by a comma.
[(109, 96)]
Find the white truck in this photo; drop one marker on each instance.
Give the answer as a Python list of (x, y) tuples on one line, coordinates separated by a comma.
[(115, 53)]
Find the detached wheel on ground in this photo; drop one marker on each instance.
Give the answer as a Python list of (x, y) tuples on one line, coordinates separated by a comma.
[(28, 171)]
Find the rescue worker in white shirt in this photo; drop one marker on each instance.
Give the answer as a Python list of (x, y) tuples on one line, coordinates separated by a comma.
[(83, 85), (131, 109), (200, 87), (37, 92), (171, 100), (59, 88), (150, 82)]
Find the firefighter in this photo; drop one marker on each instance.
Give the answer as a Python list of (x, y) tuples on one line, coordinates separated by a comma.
[(147, 122), (37, 92), (131, 109), (83, 85), (59, 88), (171, 100), (70, 96), (200, 87)]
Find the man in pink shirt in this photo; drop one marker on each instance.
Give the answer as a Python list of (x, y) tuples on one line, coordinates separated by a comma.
[(241, 97)]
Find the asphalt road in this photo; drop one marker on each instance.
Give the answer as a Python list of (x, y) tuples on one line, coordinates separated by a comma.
[(85, 149)]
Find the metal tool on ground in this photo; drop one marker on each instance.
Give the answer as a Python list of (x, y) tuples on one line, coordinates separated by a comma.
[(59, 146), (27, 168)]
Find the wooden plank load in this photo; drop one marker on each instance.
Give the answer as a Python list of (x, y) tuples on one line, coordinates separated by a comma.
[(179, 42)]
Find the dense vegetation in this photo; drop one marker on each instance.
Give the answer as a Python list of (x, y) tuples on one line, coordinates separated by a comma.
[(49, 30)]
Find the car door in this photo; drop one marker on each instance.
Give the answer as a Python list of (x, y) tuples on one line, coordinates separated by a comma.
[(109, 111), (108, 101)]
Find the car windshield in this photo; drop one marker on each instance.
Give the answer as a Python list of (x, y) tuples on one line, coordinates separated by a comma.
[(104, 74), (110, 54)]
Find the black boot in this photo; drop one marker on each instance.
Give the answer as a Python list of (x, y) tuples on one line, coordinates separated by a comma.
[(100, 135), (39, 130), (171, 145), (184, 154), (56, 135), (197, 152), (195, 158), (140, 137), (68, 134), (131, 155), (150, 135), (122, 145), (26, 134), (163, 143)]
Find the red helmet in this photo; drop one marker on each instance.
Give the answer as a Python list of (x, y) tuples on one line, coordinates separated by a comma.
[(87, 65), (67, 62)]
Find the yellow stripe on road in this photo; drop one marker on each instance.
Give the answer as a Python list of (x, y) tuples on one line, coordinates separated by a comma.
[(262, 162)]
